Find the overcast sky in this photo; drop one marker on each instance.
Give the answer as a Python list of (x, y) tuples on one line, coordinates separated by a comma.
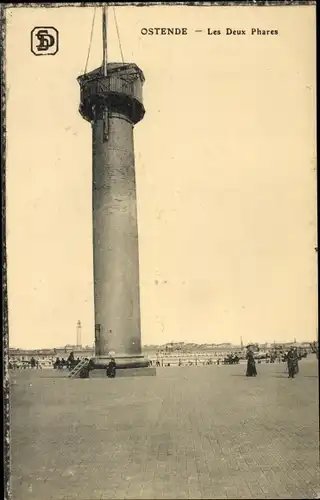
[(225, 165)]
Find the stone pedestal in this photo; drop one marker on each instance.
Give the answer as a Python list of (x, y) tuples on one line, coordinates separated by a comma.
[(128, 362), (127, 372)]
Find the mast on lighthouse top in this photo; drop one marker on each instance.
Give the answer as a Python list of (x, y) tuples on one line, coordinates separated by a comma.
[(104, 42), (113, 87)]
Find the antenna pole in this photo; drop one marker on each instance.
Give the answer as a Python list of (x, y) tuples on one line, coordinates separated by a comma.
[(105, 68), (104, 40)]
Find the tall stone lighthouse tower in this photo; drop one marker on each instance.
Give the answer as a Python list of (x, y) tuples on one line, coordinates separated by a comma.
[(111, 100)]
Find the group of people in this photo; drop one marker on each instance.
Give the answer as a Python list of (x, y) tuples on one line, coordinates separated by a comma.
[(292, 359), (23, 365), (69, 363), (231, 359)]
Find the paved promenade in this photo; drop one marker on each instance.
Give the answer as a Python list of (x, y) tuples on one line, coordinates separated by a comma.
[(190, 432)]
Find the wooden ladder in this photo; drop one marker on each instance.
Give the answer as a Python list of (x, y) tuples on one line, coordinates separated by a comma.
[(83, 363)]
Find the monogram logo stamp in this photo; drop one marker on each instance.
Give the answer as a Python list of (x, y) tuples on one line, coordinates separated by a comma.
[(44, 41)]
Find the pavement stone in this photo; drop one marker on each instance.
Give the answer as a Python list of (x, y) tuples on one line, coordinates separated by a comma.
[(190, 432)]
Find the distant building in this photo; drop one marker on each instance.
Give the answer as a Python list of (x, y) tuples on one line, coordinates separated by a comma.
[(50, 354), (172, 349)]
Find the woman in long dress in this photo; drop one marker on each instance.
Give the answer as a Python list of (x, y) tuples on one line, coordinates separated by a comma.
[(292, 360), (111, 370), (251, 365)]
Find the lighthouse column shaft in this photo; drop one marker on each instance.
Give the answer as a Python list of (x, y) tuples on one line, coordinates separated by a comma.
[(115, 239)]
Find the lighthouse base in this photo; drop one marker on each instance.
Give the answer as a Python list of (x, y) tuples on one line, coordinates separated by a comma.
[(150, 371), (126, 366), (122, 362)]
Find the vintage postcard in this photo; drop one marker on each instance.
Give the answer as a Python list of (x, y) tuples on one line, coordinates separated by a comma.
[(160, 262)]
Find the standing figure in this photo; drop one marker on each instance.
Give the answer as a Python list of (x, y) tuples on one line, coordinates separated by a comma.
[(56, 363), (70, 361), (111, 370), (251, 365), (71, 357), (292, 360)]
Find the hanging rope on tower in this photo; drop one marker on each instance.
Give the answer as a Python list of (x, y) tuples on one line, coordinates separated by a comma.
[(89, 50), (131, 76), (118, 34), (90, 40)]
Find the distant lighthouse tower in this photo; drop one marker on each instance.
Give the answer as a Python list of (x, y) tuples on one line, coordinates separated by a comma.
[(79, 332), (111, 100)]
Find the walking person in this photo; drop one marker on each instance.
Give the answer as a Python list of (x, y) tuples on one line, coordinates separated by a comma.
[(251, 364), (292, 360)]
